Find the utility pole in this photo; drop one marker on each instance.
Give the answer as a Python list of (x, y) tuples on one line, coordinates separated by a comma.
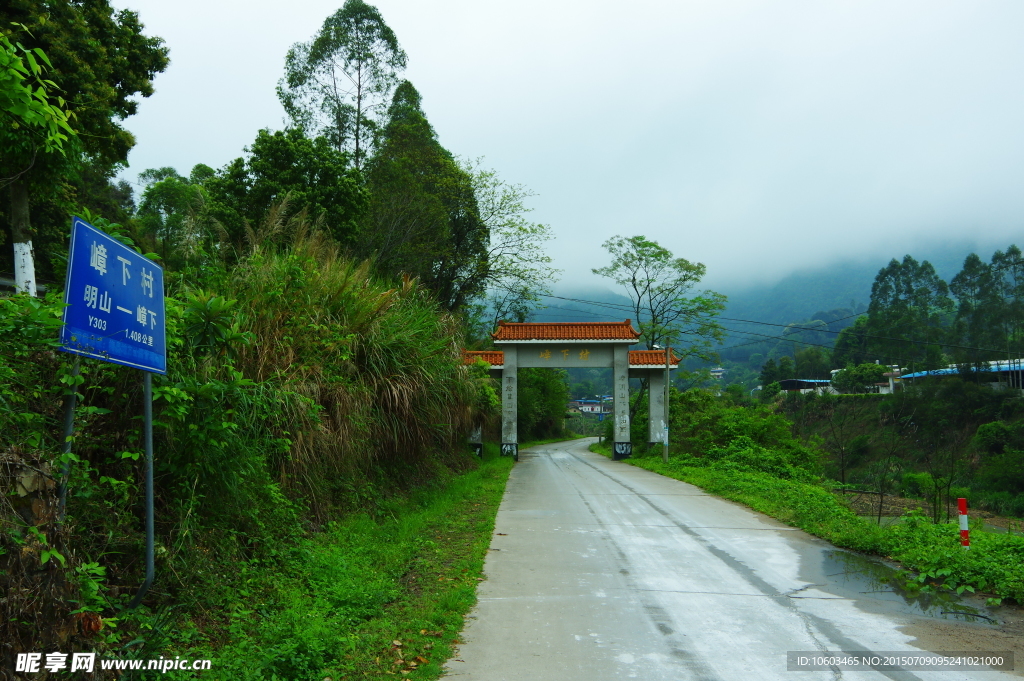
[(668, 355)]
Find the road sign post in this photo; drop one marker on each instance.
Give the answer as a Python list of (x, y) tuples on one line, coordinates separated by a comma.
[(114, 312)]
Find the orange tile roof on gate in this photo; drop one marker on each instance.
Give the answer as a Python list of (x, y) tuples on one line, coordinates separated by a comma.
[(637, 358), (522, 331), (655, 357), (492, 357)]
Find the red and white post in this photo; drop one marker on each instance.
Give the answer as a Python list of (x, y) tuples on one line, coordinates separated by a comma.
[(965, 532)]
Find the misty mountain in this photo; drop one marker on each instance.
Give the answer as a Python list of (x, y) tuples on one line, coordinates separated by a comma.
[(833, 293), (797, 296)]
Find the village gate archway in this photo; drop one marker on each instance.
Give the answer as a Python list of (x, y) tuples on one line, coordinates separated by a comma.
[(567, 345)]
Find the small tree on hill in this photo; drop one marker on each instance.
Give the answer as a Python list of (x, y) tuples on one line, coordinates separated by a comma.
[(860, 378)]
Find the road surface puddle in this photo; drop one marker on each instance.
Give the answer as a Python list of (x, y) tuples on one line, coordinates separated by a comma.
[(878, 587)]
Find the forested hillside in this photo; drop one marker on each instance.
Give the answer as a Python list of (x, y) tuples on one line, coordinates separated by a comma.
[(913, 316)]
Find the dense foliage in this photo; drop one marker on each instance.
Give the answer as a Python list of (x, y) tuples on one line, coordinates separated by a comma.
[(543, 394), (937, 441)]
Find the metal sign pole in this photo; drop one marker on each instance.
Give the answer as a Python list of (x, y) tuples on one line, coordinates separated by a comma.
[(69, 430), (147, 411)]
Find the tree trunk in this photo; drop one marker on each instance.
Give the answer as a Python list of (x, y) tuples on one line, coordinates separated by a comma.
[(21, 235)]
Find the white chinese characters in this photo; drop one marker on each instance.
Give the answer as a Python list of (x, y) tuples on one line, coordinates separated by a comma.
[(125, 273), (94, 298), (55, 662), (147, 282), (142, 315), (82, 661), (98, 257)]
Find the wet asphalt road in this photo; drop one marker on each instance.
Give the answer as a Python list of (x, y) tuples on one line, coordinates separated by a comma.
[(600, 570)]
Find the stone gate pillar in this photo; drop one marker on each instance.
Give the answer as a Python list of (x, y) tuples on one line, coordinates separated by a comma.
[(622, 447), (510, 404), (656, 402)]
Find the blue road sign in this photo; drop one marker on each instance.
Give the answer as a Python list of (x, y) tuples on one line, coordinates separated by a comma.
[(115, 302)]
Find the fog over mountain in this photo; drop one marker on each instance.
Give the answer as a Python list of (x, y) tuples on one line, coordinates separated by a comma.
[(792, 298)]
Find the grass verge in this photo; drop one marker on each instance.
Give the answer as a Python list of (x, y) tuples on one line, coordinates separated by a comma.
[(368, 598), (994, 564)]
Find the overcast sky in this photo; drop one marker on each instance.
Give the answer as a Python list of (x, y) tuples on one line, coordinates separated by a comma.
[(755, 137)]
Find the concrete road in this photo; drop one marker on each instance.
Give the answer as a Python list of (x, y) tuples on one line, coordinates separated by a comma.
[(600, 570)]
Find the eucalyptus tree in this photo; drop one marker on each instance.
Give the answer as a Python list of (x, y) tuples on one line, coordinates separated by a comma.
[(338, 84), (909, 314), (979, 306), (1008, 269), (666, 305)]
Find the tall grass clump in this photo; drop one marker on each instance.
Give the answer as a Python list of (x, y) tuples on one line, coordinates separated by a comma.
[(379, 363)]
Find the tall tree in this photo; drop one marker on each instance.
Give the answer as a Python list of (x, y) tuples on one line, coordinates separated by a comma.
[(423, 218), (662, 288), (34, 121), (1008, 270), (909, 313), (339, 83), (665, 305), (769, 373), (852, 343), (519, 269), (979, 307), (812, 362), (101, 61), (786, 368)]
